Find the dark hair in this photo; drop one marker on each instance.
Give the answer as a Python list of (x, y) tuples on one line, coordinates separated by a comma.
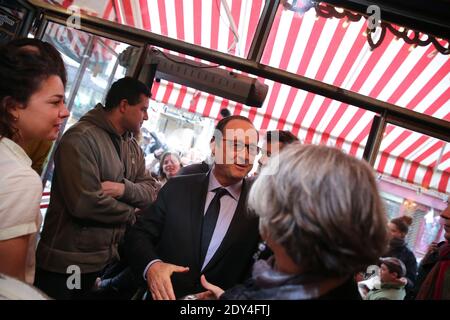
[(21, 75), (126, 88), (161, 162), (402, 223), (285, 137), (225, 112), (44, 49), (220, 126), (394, 265)]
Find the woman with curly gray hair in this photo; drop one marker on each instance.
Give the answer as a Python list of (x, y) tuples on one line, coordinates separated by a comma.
[(322, 216)]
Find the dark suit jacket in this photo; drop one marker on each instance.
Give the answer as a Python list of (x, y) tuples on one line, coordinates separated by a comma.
[(170, 230), (194, 168)]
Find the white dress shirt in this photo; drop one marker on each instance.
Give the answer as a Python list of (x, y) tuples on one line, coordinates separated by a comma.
[(228, 205)]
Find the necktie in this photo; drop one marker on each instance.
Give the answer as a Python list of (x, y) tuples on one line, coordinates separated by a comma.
[(210, 220)]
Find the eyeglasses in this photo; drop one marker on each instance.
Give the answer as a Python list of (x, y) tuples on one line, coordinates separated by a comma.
[(238, 146)]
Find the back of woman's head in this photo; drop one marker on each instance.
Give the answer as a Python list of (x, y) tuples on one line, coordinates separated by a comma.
[(402, 223), (323, 207), (21, 75)]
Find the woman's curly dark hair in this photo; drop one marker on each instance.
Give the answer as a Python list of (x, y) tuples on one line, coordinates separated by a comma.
[(22, 72)]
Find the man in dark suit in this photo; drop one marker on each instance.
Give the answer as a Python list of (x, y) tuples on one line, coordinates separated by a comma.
[(202, 167), (199, 223)]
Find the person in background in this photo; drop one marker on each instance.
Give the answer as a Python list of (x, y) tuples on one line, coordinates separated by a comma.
[(169, 166), (153, 165), (99, 182), (273, 143), (392, 272), (436, 283), (427, 263), (299, 206), (31, 108), (145, 140), (398, 248), (38, 151)]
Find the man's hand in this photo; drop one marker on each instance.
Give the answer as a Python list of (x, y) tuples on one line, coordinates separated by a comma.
[(214, 292), (113, 189), (158, 280)]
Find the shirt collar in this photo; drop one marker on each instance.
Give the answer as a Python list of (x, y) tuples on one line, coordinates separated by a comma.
[(17, 151), (234, 189)]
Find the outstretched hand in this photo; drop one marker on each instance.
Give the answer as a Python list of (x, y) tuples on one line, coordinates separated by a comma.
[(158, 280), (213, 292)]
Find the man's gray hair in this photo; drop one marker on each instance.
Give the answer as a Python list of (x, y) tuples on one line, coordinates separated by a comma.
[(323, 207)]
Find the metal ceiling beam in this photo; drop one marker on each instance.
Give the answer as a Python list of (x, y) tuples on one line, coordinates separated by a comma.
[(263, 30), (431, 16), (397, 115)]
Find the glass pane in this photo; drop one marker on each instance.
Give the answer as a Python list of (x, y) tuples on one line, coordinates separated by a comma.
[(173, 129), (423, 207), (91, 63), (414, 171), (311, 117), (429, 230), (12, 17), (226, 26), (415, 158), (336, 52)]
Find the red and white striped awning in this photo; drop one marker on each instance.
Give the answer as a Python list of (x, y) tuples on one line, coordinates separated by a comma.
[(73, 42), (329, 50)]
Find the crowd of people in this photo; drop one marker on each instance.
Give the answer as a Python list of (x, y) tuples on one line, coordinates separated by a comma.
[(303, 227)]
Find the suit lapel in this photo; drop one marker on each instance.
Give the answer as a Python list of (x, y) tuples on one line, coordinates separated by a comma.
[(234, 230), (198, 200)]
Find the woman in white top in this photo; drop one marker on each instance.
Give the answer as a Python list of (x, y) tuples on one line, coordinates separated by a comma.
[(31, 107)]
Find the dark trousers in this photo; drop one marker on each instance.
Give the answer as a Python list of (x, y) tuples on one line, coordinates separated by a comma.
[(55, 285)]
